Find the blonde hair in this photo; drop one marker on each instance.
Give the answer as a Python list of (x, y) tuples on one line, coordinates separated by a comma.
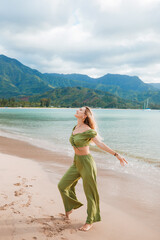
[(90, 121)]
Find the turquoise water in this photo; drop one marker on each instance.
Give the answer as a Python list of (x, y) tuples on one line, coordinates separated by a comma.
[(133, 133)]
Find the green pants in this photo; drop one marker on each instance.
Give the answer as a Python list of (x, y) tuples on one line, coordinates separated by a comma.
[(83, 167)]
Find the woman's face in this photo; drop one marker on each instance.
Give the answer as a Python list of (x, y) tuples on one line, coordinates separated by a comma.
[(80, 113)]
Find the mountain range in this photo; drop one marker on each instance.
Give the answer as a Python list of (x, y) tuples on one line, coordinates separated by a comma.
[(18, 80)]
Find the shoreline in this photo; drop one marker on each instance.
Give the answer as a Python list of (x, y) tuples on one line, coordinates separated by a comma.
[(76, 108), (27, 161)]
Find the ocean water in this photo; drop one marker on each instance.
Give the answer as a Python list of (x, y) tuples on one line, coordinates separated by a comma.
[(135, 134)]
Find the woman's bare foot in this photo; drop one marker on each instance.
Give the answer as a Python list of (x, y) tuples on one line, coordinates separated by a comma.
[(86, 227), (68, 213)]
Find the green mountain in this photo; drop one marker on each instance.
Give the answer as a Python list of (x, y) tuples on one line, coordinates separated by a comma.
[(18, 80), (120, 85), (79, 96), (127, 87)]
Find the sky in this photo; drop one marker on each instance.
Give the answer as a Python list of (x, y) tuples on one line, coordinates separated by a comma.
[(92, 37)]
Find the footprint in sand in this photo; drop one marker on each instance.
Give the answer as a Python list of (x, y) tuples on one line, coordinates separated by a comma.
[(15, 211), (17, 184), (31, 220), (19, 192), (28, 185), (52, 230), (24, 180), (51, 226), (28, 203), (48, 230), (6, 206)]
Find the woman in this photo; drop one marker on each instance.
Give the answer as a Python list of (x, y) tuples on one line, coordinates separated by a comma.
[(84, 167)]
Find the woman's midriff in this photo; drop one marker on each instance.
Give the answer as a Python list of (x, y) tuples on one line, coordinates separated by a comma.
[(82, 151)]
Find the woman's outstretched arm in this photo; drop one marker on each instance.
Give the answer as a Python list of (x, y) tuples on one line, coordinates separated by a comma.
[(104, 147)]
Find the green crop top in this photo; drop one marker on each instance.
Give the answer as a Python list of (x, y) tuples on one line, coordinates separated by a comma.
[(82, 139)]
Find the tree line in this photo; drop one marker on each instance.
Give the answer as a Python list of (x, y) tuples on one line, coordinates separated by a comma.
[(48, 102), (12, 102)]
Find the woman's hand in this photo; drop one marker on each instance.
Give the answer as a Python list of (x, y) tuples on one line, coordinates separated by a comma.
[(121, 159)]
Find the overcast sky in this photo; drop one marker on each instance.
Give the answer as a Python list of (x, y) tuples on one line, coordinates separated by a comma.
[(92, 37)]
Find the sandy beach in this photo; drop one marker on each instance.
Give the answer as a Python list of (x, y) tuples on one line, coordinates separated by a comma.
[(31, 206)]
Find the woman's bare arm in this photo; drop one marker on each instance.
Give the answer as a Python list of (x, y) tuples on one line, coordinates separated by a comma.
[(104, 147)]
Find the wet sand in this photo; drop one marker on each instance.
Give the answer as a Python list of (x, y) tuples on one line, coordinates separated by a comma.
[(31, 206)]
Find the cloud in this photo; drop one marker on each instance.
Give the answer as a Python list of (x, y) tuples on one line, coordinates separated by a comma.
[(33, 14), (92, 37)]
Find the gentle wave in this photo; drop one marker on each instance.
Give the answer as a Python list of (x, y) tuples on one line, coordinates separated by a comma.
[(130, 155)]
